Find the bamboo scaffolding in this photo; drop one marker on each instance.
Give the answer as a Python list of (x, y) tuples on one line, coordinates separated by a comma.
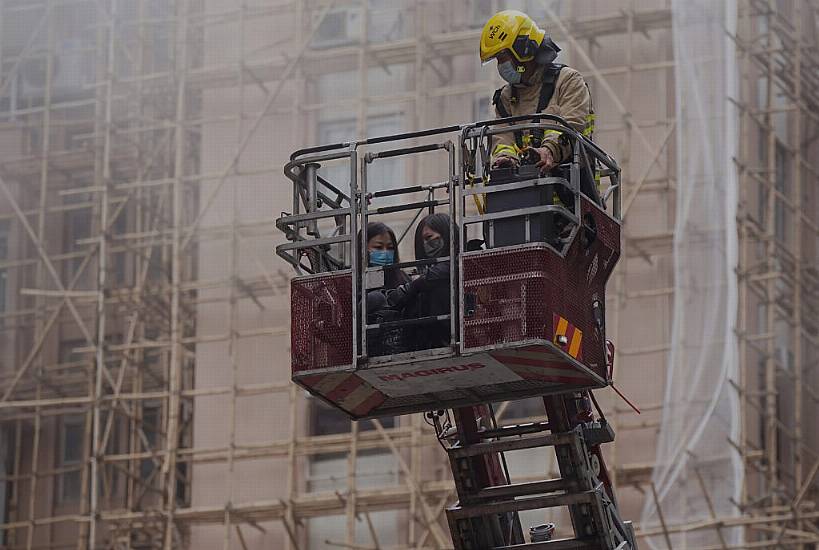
[(132, 367)]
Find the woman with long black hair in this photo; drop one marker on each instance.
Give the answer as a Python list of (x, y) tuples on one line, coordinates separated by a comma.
[(429, 294), (382, 250)]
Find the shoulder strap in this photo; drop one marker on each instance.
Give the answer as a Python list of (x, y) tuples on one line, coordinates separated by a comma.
[(547, 89), (498, 103)]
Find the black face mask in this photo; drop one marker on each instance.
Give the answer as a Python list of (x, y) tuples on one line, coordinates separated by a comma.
[(434, 247)]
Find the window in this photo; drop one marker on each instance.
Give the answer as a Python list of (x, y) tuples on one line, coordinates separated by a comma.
[(328, 472), (67, 351), (72, 432), (386, 21), (382, 80), (7, 440), (340, 27), (110, 474), (4, 252), (5, 227), (481, 10), (782, 181), (3, 285), (481, 108), (73, 64), (155, 266), (383, 173), (69, 359), (77, 228), (150, 426), (331, 531), (151, 355), (327, 420), (336, 131), (118, 259)]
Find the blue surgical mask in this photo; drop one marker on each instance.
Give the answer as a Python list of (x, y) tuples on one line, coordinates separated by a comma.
[(509, 72), (382, 257)]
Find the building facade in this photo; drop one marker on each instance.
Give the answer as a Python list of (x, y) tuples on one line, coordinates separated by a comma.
[(144, 317)]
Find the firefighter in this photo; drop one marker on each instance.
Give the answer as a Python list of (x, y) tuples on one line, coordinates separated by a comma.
[(525, 57)]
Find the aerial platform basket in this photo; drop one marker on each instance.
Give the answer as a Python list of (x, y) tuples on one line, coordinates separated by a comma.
[(529, 310)]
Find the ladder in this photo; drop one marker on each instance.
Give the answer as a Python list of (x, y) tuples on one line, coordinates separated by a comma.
[(486, 514)]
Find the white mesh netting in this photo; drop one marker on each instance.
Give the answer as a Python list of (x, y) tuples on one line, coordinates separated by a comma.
[(701, 411)]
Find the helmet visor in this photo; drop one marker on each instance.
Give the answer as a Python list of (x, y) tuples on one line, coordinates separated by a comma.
[(501, 56), (524, 48)]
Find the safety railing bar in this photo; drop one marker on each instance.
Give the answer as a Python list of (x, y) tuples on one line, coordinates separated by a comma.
[(375, 140), (409, 322), (408, 206), (411, 263), (310, 243), (454, 246), (479, 129), (609, 193), (288, 168), (589, 147), (523, 125), (534, 182), (409, 189), (372, 156), (293, 218), (400, 191), (295, 261), (355, 259), (510, 119), (411, 135), (467, 220), (345, 145)]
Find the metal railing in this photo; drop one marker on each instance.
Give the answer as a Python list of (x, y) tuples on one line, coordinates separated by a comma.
[(342, 244)]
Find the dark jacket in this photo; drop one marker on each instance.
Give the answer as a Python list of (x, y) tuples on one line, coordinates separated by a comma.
[(385, 341), (426, 296)]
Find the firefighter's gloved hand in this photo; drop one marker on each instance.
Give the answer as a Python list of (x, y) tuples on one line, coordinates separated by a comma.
[(504, 161), (547, 161)]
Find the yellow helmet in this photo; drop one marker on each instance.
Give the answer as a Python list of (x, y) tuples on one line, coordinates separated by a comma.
[(511, 30)]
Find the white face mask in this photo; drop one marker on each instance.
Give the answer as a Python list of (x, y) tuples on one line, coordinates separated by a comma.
[(509, 72)]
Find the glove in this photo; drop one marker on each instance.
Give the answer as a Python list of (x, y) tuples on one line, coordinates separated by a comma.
[(547, 161), (504, 161)]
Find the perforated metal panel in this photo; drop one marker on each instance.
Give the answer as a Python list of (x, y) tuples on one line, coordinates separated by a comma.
[(518, 293), (321, 322), (529, 309)]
